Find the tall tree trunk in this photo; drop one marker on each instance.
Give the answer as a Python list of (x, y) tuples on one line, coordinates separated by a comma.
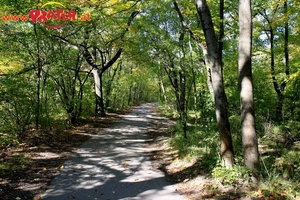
[(38, 89), (183, 102), (198, 42), (193, 80), (286, 40), (99, 106), (279, 88), (286, 49), (101, 109), (173, 78), (221, 27), (177, 80), (250, 146), (182, 83), (220, 98), (129, 95)]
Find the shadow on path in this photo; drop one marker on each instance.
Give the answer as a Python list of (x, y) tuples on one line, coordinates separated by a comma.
[(114, 165)]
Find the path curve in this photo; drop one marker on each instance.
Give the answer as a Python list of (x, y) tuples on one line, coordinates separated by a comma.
[(114, 165)]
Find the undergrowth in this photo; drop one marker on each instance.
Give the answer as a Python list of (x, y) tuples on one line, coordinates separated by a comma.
[(17, 161), (279, 146)]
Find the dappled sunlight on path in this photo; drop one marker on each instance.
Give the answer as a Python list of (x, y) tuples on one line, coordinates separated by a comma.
[(114, 165)]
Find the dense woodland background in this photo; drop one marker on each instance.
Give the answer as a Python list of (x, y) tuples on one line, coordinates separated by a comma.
[(148, 51)]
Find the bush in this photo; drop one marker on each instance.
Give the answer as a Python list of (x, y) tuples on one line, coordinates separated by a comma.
[(235, 176)]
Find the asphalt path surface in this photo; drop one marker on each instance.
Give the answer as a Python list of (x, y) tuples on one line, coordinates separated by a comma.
[(114, 164)]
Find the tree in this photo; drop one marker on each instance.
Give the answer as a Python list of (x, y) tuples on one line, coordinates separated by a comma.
[(275, 26), (217, 83), (98, 71), (250, 146)]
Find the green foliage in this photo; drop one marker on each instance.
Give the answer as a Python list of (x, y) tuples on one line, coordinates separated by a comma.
[(169, 111), (132, 85), (8, 139), (292, 105), (206, 108), (202, 142), (235, 127), (17, 104), (292, 127), (150, 46), (277, 185), (65, 84), (280, 163), (235, 176)]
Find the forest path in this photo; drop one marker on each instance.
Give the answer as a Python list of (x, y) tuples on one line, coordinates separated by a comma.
[(114, 164)]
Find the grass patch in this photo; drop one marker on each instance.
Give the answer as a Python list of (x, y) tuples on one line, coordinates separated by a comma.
[(8, 139), (279, 146), (239, 175), (277, 186), (201, 143)]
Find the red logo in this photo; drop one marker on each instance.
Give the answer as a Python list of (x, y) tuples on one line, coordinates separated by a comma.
[(50, 18), (59, 15)]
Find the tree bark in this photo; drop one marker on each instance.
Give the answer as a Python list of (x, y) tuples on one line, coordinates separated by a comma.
[(161, 83), (220, 98), (38, 89), (249, 139), (221, 33), (286, 40), (98, 72), (286, 52), (100, 109), (279, 89), (99, 105), (198, 42)]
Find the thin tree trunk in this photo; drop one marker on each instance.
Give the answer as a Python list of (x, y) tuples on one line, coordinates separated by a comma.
[(38, 90), (129, 95), (182, 82), (109, 86), (217, 83), (194, 80), (279, 92), (101, 110), (183, 102), (163, 91), (250, 145), (198, 42), (279, 88), (195, 95), (286, 40)]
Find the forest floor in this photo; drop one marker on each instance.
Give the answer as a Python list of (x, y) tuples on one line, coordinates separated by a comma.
[(27, 170)]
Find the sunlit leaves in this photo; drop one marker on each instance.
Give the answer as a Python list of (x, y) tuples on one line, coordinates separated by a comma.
[(10, 64)]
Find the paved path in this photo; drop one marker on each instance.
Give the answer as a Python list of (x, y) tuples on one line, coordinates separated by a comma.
[(114, 165)]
